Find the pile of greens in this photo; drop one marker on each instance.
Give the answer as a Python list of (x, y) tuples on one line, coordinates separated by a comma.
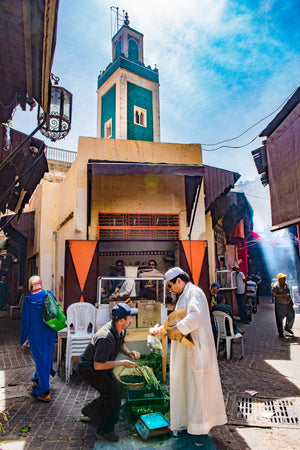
[(152, 360)]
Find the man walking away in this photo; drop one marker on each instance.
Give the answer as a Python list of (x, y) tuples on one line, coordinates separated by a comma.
[(283, 305)]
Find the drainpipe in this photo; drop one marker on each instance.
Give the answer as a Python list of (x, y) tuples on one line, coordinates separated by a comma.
[(53, 276)]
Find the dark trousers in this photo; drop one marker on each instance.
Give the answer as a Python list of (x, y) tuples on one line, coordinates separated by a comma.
[(241, 299), (105, 410), (281, 311)]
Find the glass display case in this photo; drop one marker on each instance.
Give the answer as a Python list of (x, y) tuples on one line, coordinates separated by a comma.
[(146, 294), (122, 288), (226, 278)]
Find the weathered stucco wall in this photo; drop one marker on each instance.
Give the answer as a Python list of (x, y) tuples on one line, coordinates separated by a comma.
[(138, 151), (65, 204), (45, 203)]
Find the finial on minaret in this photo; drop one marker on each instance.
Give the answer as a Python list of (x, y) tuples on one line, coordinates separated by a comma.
[(126, 21)]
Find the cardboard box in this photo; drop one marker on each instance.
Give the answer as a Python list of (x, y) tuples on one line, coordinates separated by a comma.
[(149, 313), (131, 304)]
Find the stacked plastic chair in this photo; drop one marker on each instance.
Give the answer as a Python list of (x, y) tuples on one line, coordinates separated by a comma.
[(81, 319)]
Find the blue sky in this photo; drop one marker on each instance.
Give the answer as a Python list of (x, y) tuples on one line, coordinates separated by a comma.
[(223, 65)]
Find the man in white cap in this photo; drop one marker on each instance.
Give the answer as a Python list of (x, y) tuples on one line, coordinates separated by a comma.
[(241, 286), (283, 305), (196, 398), (95, 366)]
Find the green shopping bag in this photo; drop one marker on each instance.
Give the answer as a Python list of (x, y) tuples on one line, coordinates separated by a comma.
[(52, 313)]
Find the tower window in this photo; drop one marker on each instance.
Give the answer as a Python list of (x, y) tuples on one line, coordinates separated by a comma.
[(108, 129), (133, 50), (140, 116)]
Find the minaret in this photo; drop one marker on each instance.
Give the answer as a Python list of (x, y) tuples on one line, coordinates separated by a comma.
[(128, 91)]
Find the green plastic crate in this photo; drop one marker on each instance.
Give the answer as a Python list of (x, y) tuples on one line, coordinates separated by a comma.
[(145, 401)]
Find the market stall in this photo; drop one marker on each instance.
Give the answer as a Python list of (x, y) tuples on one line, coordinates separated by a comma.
[(151, 311)]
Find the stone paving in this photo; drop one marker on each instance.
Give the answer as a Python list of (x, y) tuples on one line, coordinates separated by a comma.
[(271, 367)]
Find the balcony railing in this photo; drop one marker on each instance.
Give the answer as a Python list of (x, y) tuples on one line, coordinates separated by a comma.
[(58, 154)]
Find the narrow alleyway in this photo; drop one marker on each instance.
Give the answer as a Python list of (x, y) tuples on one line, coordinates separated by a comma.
[(271, 367)]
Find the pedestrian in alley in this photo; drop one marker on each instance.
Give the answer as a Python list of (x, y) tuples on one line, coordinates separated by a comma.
[(241, 285), (41, 339), (196, 398), (4, 291), (251, 293), (95, 366), (258, 280), (284, 308)]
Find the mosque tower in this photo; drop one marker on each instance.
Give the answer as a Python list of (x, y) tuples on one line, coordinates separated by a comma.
[(128, 91)]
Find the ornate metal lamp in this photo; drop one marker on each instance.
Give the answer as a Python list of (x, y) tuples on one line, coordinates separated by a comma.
[(58, 120)]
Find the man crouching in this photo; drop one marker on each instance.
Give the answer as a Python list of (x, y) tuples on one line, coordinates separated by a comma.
[(95, 366)]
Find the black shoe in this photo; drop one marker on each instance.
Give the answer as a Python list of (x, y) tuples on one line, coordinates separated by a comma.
[(288, 330), (88, 416), (281, 335), (110, 436)]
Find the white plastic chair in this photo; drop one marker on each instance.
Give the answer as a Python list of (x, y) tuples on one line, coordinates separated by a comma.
[(220, 319), (81, 318)]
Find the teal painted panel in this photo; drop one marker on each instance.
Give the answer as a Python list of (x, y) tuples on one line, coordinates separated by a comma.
[(108, 110), (141, 97), (135, 67)]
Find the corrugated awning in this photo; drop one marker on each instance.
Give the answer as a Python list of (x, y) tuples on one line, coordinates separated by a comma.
[(24, 225), (283, 114), (132, 168), (20, 176), (217, 182), (283, 164), (27, 44)]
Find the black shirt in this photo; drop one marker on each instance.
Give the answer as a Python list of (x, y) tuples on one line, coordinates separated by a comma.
[(105, 345)]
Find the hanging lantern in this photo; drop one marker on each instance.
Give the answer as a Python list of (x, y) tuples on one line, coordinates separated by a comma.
[(58, 119)]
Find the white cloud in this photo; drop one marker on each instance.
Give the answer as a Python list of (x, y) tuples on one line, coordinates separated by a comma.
[(222, 67)]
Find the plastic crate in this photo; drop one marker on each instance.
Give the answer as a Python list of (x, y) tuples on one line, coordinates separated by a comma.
[(145, 401)]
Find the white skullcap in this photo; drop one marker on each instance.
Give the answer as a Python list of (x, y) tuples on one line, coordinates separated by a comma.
[(172, 273)]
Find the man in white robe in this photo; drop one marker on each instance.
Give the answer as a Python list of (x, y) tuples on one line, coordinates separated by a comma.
[(196, 398)]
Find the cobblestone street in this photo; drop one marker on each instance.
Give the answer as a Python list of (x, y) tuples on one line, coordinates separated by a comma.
[(271, 367)]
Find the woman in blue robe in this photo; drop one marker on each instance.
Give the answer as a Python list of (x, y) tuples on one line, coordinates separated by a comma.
[(41, 339)]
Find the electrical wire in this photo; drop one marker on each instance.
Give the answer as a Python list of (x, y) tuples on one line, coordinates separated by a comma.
[(248, 129), (229, 146)]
